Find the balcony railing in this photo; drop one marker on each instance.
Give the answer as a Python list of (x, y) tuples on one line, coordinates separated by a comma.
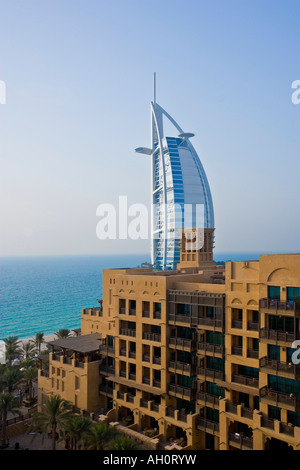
[(122, 373), (130, 398), (279, 398), (107, 350), (170, 412), (252, 353), (279, 336), (132, 311), (240, 441), (146, 358), (210, 373), (132, 354), (181, 367), (106, 370), (236, 351), (279, 367), (206, 425), (122, 310), (106, 390), (211, 348), (287, 429), (156, 360), (267, 423), (280, 306), (252, 326), (132, 376), (157, 315), (144, 403), (195, 320), (154, 406), (182, 343), (181, 392), (152, 337), (146, 314), (156, 383), (128, 332), (123, 352), (245, 380), (237, 324), (146, 380), (207, 398)]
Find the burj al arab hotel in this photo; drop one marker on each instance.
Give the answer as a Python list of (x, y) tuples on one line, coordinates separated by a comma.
[(180, 193)]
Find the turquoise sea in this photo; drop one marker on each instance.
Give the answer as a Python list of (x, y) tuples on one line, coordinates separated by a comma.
[(44, 294)]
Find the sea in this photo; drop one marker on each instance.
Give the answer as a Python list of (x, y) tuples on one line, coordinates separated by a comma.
[(43, 294)]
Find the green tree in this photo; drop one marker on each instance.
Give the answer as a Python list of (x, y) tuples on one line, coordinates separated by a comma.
[(63, 333), (28, 350), (39, 340), (52, 418), (11, 377), (7, 404), (124, 443), (75, 430), (12, 349), (98, 436)]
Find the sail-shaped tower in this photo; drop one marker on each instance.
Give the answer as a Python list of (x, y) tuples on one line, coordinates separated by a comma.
[(180, 192)]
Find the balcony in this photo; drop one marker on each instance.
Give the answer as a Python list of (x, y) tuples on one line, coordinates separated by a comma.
[(252, 326), (236, 351), (280, 399), (207, 399), (122, 373), (239, 441), (156, 360), (146, 314), (239, 410), (170, 412), (132, 376), (105, 390), (152, 337), (181, 367), (146, 358), (157, 315), (154, 406), (127, 332), (157, 383), (181, 392), (132, 312), (252, 353), (196, 321), (210, 348), (237, 324), (123, 352), (272, 425), (279, 307), (275, 336), (271, 366), (210, 373), (107, 350), (207, 426), (94, 311), (122, 311), (245, 380), (132, 354), (106, 370), (130, 398), (146, 380), (144, 403), (182, 344)]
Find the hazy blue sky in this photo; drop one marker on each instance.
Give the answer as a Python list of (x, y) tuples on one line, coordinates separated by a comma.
[(79, 85)]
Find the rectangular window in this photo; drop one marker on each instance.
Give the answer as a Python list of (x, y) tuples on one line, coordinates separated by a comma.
[(274, 292), (293, 293)]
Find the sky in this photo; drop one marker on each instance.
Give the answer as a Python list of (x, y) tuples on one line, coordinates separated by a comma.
[(78, 76)]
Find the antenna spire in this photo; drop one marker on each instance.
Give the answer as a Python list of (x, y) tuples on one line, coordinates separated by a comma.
[(154, 87)]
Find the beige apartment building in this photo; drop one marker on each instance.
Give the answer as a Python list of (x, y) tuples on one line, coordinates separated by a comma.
[(203, 357)]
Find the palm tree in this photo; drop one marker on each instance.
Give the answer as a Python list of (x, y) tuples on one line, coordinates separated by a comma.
[(53, 417), (12, 348), (11, 378), (39, 340), (98, 436), (63, 333), (75, 430), (28, 350), (30, 374), (7, 404), (125, 443)]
